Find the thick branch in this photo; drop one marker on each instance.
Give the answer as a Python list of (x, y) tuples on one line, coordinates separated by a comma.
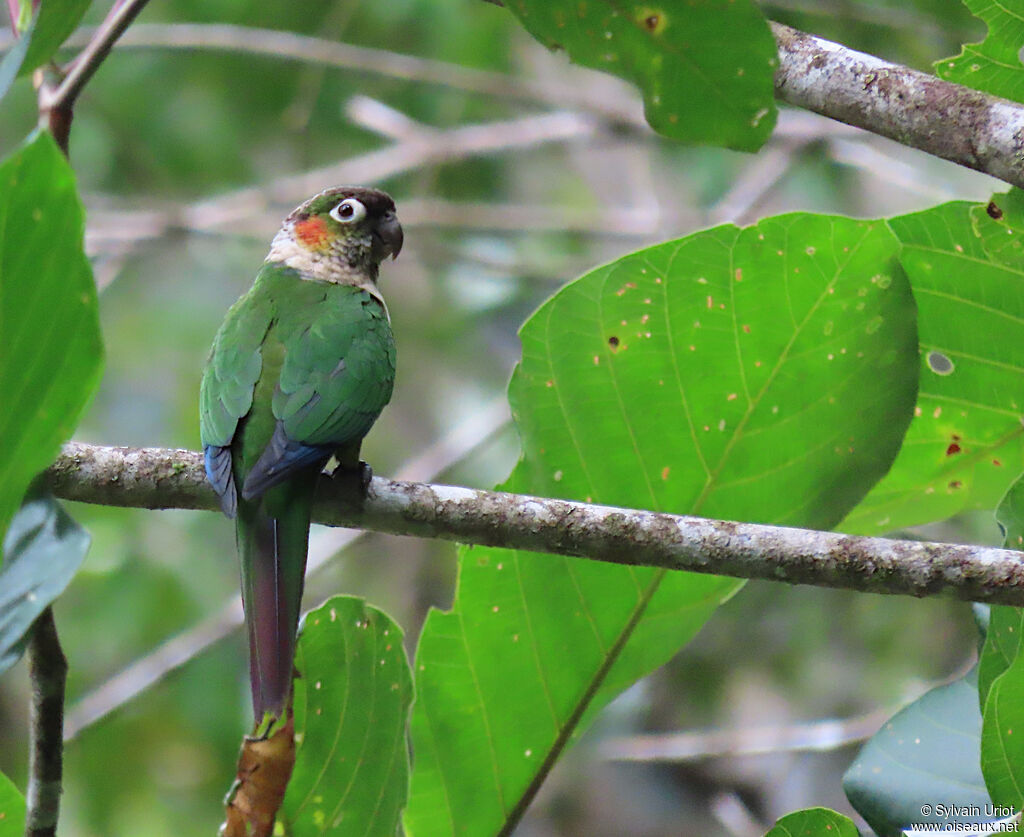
[(157, 478), (48, 672), (974, 129)]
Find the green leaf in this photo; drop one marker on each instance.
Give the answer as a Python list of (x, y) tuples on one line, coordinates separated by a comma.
[(994, 64), (1002, 747), (926, 754), (351, 712), (1001, 648), (706, 67), (12, 809), (47, 31), (999, 225), (1001, 675), (50, 346), (1006, 624), (966, 443), (14, 59), (56, 20), (764, 374), (43, 550), (814, 822)]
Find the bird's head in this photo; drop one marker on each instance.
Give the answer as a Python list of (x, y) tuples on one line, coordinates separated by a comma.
[(339, 235)]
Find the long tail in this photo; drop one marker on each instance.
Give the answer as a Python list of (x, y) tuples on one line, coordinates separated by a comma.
[(273, 559)]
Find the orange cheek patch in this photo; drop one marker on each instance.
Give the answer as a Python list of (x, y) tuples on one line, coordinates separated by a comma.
[(312, 233)]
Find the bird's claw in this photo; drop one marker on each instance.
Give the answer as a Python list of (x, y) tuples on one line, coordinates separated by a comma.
[(358, 477)]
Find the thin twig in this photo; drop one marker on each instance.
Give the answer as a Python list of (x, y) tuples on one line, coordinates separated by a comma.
[(815, 736), (612, 101), (157, 478), (102, 40), (239, 208), (48, 670)]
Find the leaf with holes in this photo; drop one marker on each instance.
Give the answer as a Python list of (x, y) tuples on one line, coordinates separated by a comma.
[(1000, 224), (12, 809), (814, 822), (351, 711), (966, 443), (993, 65), (43, 550), (763, 374), (50, 349), (926, 754), (706, 67)]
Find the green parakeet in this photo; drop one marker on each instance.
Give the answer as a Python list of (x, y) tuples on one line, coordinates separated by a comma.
[(299, 371)]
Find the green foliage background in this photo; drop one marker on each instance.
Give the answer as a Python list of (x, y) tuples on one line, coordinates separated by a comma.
[(160, 128)]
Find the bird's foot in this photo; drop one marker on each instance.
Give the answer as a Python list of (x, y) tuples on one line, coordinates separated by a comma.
[(355, 479)]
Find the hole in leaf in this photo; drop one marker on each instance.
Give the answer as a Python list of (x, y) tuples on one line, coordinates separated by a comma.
[(939, 363)]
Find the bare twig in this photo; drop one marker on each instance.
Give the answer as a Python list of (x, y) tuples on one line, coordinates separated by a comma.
[(761, 175), (239, 208), (816, 736), (48, 672), (82, 68), (612, 101), (157, 478)]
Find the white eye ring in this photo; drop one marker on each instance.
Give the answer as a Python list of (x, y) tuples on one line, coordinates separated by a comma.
[(348, 211)]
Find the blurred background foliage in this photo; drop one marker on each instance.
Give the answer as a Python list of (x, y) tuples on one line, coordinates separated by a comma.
[(185, 158)]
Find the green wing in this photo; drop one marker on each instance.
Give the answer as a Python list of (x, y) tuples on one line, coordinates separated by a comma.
[(233, 368), (337, 374), (338, 371)]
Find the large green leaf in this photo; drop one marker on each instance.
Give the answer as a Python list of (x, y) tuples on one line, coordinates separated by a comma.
[(12, 809), (814, 822), (43, 550), (706, 67), (351, 713), (764, 374), (966, 443), (50, 348), (925, 755), (994, 64)]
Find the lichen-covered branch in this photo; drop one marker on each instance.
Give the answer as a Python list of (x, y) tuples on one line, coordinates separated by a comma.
[(157, 478), (972, 128)]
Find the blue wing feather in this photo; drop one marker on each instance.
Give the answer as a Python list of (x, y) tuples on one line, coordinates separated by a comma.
[(281, 459), (218, 471)]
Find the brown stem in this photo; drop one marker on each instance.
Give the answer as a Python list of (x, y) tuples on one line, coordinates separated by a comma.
[(48, 670)]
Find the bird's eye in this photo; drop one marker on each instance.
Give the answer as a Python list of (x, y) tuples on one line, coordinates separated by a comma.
[(348, 211)]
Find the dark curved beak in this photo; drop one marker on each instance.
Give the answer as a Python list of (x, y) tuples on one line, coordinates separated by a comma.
[(389, 231)]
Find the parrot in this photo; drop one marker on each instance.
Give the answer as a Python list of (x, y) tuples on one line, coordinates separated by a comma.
[(300, 369)]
